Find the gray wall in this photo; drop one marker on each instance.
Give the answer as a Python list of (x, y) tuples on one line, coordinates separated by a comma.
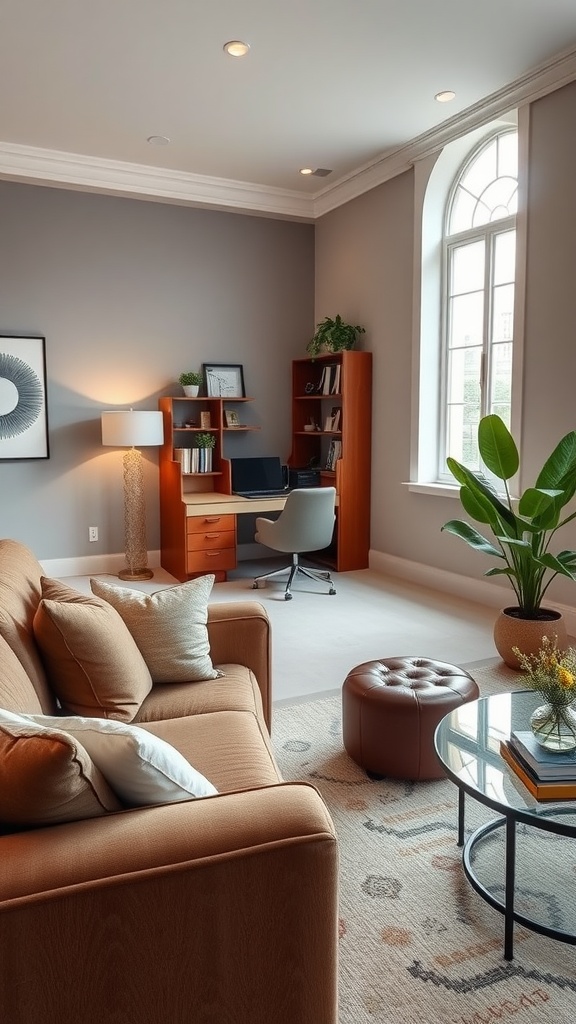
[(128, 294), (364, 262)]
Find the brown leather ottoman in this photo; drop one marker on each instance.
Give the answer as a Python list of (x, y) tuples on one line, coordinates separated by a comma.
[(390, 710)]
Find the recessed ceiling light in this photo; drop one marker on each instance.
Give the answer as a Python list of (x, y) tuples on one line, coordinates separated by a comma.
[(445, 96), (236, 48), (306, 170), (158, 140)]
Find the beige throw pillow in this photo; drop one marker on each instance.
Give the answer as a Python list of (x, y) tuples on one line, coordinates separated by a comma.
[(93, 664), (168, 626), (46, 775)]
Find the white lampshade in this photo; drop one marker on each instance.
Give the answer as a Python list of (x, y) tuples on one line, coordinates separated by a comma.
[(126, 428)]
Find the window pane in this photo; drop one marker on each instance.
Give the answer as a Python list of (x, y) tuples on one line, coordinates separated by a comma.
[(468, 268), (466, 320), (508, 154), (504, 257), (463, 406), (501, 390), (462, 211), (496, 197), (503, 313), (482, 170)]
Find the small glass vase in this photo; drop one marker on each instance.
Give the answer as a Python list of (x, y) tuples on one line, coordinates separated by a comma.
[(554, 727)]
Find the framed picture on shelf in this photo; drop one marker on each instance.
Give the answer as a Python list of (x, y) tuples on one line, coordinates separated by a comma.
[(23, 408), (224, 380), (205, 421), (231, 418)]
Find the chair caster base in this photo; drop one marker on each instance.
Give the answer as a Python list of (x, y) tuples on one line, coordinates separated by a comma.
[(287, 597), (332, 591)]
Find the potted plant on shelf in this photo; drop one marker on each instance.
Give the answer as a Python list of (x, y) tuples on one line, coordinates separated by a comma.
[(333, 335), (190, 382), (522, 536), (206, 443)]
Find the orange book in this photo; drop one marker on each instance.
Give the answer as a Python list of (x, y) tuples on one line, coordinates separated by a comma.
[(541, 790)]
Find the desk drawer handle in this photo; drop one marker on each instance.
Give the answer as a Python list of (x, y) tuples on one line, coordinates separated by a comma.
[(211, 536), (212, 519), (212, 554)]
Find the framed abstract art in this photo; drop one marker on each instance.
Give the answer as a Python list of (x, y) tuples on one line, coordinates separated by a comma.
[(23, 406)]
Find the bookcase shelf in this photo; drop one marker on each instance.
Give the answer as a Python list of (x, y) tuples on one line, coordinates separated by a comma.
[(351, 373)]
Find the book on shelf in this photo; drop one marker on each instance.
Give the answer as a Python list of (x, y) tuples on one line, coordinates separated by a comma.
[(546, 764), (336, 413), (325, 384), (182, 455), (542, 790), (334, 453), (336, 383)]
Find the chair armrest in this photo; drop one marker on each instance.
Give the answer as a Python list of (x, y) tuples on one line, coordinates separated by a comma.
[(239, 633), (217, 909)]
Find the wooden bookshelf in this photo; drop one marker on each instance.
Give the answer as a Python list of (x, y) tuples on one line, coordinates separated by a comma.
[(349, 392)]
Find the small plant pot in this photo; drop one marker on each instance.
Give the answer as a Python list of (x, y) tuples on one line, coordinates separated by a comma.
[(191, 390)]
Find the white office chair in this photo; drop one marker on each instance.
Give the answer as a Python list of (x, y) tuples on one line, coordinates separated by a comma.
[(306, 523)]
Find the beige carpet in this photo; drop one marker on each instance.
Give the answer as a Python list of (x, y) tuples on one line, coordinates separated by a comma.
[(417, 944)]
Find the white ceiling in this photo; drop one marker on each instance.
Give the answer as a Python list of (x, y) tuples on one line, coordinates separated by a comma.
[(340, 84)]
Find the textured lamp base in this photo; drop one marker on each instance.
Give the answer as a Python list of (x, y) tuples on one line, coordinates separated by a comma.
[(135, 574)]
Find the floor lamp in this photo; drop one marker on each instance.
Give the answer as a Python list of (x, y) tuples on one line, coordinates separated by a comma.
[(133, 430)]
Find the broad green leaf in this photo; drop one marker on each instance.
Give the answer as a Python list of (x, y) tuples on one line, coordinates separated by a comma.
[(497, 447), (534, 501), (478, 507), (483, 492), (551, 562), (472, 537), (561, 463), (500, 572)]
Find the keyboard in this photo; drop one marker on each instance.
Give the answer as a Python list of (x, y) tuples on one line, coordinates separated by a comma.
[(263, 494)]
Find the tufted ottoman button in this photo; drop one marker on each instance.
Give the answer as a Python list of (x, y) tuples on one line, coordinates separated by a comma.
[(390, 710)]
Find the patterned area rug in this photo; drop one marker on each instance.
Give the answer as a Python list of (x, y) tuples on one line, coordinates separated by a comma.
[(417, 943)]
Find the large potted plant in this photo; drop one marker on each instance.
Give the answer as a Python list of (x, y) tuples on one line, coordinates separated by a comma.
[(333, 335), (523, 530)]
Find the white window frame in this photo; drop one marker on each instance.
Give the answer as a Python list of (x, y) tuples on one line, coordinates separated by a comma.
[(434, 175)]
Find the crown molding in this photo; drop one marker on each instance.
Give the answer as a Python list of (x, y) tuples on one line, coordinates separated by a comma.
[(31, 165), (92, 174), (559, 71)]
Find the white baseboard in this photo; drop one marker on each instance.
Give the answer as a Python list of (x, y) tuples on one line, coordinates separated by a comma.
[(90, 565), (480, 591)]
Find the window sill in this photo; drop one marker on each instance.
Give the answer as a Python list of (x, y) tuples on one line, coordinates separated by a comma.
[(440, 490)]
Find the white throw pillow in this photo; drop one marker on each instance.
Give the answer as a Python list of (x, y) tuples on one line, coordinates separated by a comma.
[(169, 627), (141, 768)]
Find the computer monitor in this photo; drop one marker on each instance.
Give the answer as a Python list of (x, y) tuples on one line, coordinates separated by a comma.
[(259, 473)]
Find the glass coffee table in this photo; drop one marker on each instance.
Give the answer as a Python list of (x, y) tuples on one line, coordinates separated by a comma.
[(468, 745)]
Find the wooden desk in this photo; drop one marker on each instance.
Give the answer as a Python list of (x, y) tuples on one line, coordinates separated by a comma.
[(212, 503)]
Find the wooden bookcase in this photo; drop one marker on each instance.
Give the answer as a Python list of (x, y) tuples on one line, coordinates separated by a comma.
[(194, 545), (350, 394)]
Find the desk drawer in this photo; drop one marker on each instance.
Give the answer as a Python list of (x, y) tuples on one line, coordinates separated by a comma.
[(209, 524), (211, 561), (210, 540)]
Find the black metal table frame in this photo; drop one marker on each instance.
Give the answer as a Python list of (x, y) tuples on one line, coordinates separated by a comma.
[(508, 820)]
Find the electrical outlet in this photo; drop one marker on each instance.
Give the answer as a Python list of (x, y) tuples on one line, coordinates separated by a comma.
[(92, 533)]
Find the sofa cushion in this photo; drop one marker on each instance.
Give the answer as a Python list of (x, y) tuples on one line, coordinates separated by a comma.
[(235, 690), (20, 595), (168, 626), (140, 767), (46, 776), (16, 690), (231, 748), (93, 664)]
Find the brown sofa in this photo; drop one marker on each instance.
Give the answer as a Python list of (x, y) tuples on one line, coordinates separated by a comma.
[(221, 910)]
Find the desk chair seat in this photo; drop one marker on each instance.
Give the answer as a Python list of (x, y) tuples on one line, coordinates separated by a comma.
[(306, 523)]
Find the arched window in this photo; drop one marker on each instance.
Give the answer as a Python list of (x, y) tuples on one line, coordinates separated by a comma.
[(479, 256)]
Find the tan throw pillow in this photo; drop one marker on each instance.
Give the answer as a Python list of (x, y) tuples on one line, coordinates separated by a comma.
[(93, 664), (169, 627), (47, 777)]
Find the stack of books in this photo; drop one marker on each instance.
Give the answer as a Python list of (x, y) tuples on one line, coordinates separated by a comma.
[(548, 775), (334, 453)]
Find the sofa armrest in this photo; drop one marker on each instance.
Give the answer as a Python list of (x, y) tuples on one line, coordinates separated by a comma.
[(239, 633), (221, 909)]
